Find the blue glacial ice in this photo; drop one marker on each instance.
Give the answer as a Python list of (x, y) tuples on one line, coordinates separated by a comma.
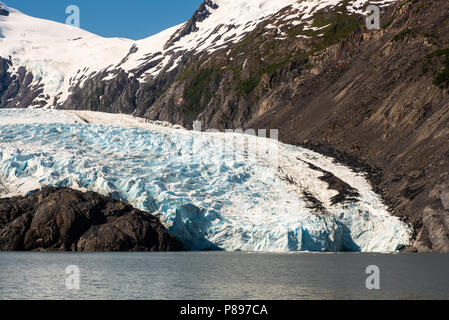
[(207, 197)]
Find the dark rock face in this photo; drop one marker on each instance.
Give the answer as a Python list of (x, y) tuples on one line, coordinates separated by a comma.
[(3, 11), (376, 100), (17, 91), (60, 219), (200, 15)]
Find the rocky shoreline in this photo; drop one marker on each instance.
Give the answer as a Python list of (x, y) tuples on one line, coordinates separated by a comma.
[(61, 219)]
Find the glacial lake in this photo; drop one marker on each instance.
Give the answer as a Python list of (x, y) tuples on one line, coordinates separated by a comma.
[(223, 275)]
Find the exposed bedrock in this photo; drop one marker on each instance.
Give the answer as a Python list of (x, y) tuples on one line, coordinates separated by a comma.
[(60, 219), (3, 10)]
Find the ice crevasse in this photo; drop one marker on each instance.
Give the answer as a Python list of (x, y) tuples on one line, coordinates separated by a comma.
[(214, 196)]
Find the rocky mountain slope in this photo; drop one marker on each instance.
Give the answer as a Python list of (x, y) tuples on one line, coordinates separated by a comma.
[(55, 219), (375, 99)]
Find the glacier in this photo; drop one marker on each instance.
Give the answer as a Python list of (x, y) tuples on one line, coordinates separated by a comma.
[(214, 196)]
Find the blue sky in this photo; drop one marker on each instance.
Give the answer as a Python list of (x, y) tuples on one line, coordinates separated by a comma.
[(134, 19)]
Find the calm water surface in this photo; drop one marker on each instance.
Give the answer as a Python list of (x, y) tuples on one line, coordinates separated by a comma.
[(221, 275)]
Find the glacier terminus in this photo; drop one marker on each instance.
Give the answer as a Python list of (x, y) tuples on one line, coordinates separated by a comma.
[(207, 197)]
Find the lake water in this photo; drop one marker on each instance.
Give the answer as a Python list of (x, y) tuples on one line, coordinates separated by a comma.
[(223, 275)]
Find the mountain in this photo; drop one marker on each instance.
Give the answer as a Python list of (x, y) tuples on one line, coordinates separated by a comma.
[(376, 100)]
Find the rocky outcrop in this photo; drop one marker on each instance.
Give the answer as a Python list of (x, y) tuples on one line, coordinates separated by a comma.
[(60, 219), (376, 100)]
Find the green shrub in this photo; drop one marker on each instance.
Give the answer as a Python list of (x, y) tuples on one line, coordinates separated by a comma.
[(441, 78)]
